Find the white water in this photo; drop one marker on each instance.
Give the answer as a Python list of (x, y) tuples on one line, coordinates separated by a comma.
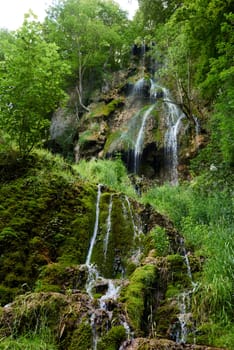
[(106, 239), (135, 230), (174, 117), (93, 240), (184, 317), (112, 293), (140, 139), (93, 276), (94, 332), (138, 87), (184, 302)]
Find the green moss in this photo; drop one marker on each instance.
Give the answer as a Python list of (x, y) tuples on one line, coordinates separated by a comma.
[(120, 243), (172, 291), (112, 139), (141, 286), (58, 277), (82, 337), (43, 221), (166, 315), (113, 339), (104, 110)]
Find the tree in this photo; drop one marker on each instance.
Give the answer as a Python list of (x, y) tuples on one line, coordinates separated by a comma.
[(30, 85), (158, 11), (90, 34)]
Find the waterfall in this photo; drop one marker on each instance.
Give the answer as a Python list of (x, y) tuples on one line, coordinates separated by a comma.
[(106, 239), (95, 226), (140, 139), (184, 317), (112, 293), (184, 303), (197, 130), (138, 87), (132, 218), (174, 117)]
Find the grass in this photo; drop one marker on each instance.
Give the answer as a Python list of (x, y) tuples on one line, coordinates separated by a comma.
[(202, 212), (111, 173)]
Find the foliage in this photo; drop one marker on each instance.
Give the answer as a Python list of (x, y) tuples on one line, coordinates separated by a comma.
[(113, 339), (157, 239), (41, 341), (111, 173), (202, 211), (30, 86), (91, 36), (82, 337)]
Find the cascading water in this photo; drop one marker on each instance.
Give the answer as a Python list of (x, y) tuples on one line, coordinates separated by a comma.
[(173, 120), (94, 278), (131, 216), (184, 303), (140, 139), (92, 243), (138, 88), (106, 240)]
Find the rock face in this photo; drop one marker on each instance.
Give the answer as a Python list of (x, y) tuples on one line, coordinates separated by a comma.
[(115, 120)]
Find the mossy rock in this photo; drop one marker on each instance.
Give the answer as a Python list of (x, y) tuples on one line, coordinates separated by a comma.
[(172, 291), (113, 339), (141, 289), (104, 110), (166, 315), (47, 216), (82, 337), (112, 263), (58, 277)]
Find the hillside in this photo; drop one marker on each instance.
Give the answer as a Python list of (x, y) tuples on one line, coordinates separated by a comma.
[(116, 178)]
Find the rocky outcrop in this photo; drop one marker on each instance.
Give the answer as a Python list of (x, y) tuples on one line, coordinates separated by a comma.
[(112, 125)]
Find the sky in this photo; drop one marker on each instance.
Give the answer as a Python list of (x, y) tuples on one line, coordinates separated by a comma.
[(12, 11)]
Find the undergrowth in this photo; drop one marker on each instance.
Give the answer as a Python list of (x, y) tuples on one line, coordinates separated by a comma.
[(111, 173), (202, 212)]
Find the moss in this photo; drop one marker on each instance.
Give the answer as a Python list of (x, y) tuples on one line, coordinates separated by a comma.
[(104, 110), (82, 337), (141, 287), (172, 291), (57, 277), (166, 315), (43, 221), (113, 339), (120, 243), (120, 140)]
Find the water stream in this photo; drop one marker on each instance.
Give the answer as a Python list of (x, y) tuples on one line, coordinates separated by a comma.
[(173, 121), (135, 230), (95, 231), (140, 139), (186, 325), (100, 308), (106, 239)]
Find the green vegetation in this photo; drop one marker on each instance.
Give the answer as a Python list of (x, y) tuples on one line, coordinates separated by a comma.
[(113, 339), (31, 76), (47, 206), (138, 291), (111, 173), (202, 211)]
